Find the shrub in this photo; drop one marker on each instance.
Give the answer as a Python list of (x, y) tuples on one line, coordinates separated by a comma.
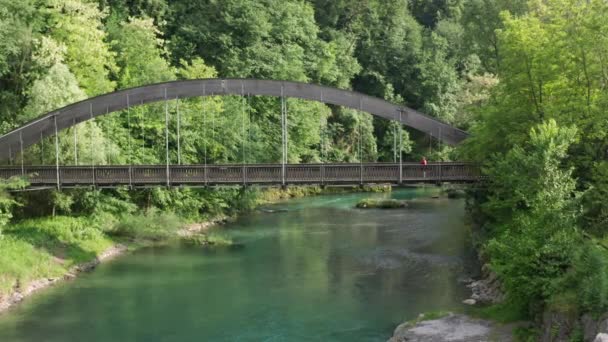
[(382, 203), (150, 226)]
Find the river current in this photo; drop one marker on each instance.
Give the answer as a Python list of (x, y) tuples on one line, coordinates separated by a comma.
[(312, 269)]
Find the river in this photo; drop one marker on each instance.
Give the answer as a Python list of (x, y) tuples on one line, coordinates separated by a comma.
[(312, 269)]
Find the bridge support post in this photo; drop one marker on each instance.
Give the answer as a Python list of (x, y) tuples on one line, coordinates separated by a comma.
[(322, 171)]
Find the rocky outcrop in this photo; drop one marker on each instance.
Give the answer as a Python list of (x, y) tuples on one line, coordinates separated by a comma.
[(594, 329), (559, 327), (453, 328), (601, 337), (486, 290)]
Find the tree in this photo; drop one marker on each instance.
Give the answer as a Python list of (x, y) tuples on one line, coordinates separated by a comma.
[(19, 22), (78, 25), (532, 205)]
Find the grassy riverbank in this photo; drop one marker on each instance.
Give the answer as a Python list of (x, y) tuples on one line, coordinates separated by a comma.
[(50, 247)]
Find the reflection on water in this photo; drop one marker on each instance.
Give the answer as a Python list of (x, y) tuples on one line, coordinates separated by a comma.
[(311, 269)]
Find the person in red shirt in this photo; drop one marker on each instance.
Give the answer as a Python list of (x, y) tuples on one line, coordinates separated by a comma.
[(424, 163)]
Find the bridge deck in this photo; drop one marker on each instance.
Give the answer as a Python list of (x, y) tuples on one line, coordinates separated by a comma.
[(239, 174)]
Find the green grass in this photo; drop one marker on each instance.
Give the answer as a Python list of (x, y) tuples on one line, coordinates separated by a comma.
[(428, 316), (46, 248), (506, 312), (382, 203), (21, 262), (74, 240), (153, 226), (211, 239)]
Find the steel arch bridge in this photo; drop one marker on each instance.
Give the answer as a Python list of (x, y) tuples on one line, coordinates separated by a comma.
[(52, 123)]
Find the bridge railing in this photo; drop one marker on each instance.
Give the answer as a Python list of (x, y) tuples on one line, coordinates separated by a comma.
[(140, 175)]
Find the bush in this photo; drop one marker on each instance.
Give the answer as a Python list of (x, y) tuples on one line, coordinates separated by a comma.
[(208, 240), (382, 203), (589, 278), (150, 226)]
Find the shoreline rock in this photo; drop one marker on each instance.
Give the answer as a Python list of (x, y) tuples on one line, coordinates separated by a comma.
[(487, 290), (201, 227), (454, 328)]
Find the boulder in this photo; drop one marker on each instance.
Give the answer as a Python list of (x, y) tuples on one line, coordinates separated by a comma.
[(453, 327), (601, 337), (469, 301)]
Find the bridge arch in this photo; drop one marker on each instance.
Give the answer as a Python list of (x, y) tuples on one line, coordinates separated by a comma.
[(68, 116)]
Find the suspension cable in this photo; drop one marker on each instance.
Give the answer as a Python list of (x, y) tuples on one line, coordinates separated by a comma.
[(283, 137), (249, 130), (394, 123), (103, 146), (74, 129), (143, 127), (203, 103), (179, 123), (204, 126), (167, 139), (129, 130), (92, 144), (400, 148), (359, 114), (41, 148), (129, 142), (21, 151), (57, 152), (243, 103)]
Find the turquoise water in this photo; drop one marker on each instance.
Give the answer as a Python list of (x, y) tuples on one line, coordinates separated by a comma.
[(312, 269)]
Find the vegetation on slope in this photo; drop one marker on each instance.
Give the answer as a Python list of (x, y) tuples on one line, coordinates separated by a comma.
[(526, 77)]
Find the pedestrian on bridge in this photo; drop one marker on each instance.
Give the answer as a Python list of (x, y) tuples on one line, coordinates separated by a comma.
[(424, 163)]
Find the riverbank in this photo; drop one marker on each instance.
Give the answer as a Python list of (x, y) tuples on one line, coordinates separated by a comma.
[(38, 253), (53, 269)]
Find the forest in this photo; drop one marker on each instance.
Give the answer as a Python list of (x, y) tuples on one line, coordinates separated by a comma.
[(527, 79)]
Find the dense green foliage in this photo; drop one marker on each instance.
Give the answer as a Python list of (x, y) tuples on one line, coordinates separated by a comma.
[(527, 77), (541, 135)]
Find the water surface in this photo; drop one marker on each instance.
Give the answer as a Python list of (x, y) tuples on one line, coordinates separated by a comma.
[(312, 269)]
